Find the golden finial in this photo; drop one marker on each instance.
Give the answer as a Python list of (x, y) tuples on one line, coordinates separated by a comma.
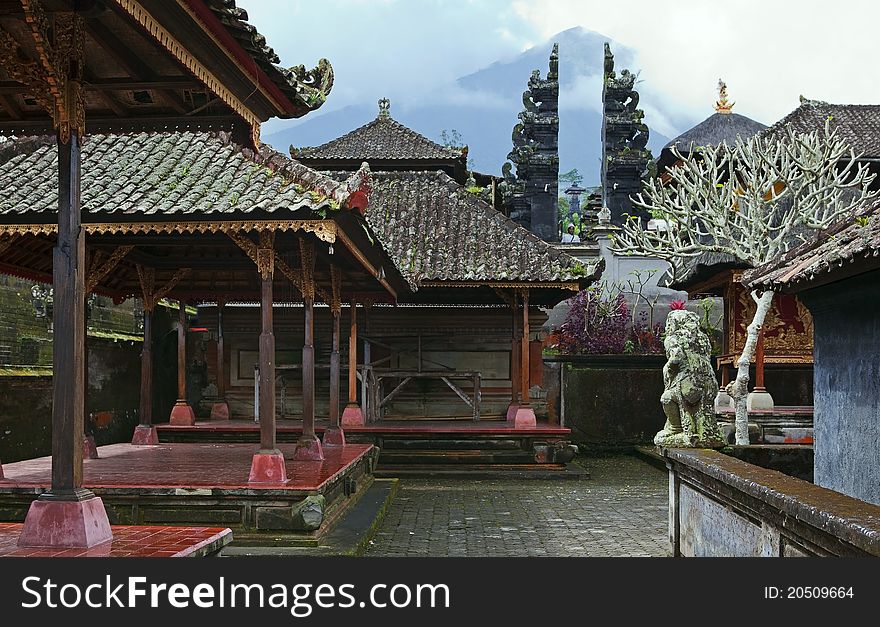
[(722, 105)]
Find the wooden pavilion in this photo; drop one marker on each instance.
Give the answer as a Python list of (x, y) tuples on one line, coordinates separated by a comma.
[(449, 370), (77, 67)]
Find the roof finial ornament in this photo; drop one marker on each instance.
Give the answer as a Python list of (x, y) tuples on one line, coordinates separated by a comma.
[(384, 108), (722, 105)]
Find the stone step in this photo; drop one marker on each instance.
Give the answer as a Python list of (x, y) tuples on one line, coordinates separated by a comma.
[(409, 457), (457, 444)]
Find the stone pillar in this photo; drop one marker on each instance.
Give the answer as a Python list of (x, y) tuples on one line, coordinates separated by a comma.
[(308, 447), (515, 359), (145, 432), (759, 398), (68, 515), (182, 414), (267, 465), (525, 415), (220, 408)]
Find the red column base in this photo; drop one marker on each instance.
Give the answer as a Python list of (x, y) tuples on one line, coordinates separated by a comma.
[(220, 411), (511, 412), (308, 449), (90, 449), (524, 418), (353, 416), (268, 467), (182, 414), (334, 436), (145, 435), (66, 524)]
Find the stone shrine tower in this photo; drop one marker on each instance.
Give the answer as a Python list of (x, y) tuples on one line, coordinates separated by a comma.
[(531, 195), (625, 157)]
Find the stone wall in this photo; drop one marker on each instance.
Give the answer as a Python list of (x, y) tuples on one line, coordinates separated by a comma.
[(846, 380), (111, 402), (720, 506), (608, 401)]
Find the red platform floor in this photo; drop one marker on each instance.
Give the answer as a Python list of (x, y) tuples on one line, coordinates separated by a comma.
[(129, 542), (224, 466), (479, 427)]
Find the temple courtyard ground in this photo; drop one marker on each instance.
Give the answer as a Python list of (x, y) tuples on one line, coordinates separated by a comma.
[(620, 511)]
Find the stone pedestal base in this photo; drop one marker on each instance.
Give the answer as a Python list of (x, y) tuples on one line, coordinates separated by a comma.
[(182, 414), (759, 400), (352, 416), (524, 418), (268, 467), (220, 411), (308, 449), (90, 449), (511, 412), (723, 401), (145, 435), (334, 436), (66, 524)]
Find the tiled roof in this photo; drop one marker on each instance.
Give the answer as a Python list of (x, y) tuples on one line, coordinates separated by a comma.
[(435, 230), (167, 174), (854, 237), (857, 125), (717, 128), (382, 139)]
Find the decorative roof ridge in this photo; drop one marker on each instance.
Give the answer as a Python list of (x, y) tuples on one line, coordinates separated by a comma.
[(353, 193)]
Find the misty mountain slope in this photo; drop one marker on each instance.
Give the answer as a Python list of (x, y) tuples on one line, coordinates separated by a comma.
[(483, 107)]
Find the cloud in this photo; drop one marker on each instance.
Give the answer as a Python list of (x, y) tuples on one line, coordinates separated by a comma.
[(767, 52)]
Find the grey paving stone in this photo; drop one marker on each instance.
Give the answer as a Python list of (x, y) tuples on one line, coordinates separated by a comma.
[(619, 511)]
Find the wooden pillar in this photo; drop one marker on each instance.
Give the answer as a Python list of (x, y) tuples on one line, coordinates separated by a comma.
[(759, 363), (182, 413), (352, 416), (515, 357), (334, 436), (759, 398), (308, 447), (268, 463), (525, 415), (220, 408), (145, 432), (68, 515)]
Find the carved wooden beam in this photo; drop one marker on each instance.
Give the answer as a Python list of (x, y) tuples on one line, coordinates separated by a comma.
[(266, 254), (307, 263), (97, 272), (335, 289), (151, 296), (55, 78)]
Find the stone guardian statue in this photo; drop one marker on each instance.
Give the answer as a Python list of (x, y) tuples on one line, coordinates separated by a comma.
[(689, 379)]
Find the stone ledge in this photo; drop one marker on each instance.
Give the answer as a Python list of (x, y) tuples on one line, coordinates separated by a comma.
[(826, 511)]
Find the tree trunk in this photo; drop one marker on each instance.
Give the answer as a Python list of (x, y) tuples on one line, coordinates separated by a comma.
[(740, 386)]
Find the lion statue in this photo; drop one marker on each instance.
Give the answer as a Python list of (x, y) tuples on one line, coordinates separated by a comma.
[(690, 386)]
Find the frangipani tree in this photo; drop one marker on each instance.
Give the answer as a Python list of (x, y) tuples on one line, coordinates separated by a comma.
[(753, 200)]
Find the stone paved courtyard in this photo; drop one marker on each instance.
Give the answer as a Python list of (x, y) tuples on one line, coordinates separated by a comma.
[(620, 511)]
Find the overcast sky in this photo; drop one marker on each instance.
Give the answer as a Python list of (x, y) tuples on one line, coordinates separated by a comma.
[(768, 51)]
